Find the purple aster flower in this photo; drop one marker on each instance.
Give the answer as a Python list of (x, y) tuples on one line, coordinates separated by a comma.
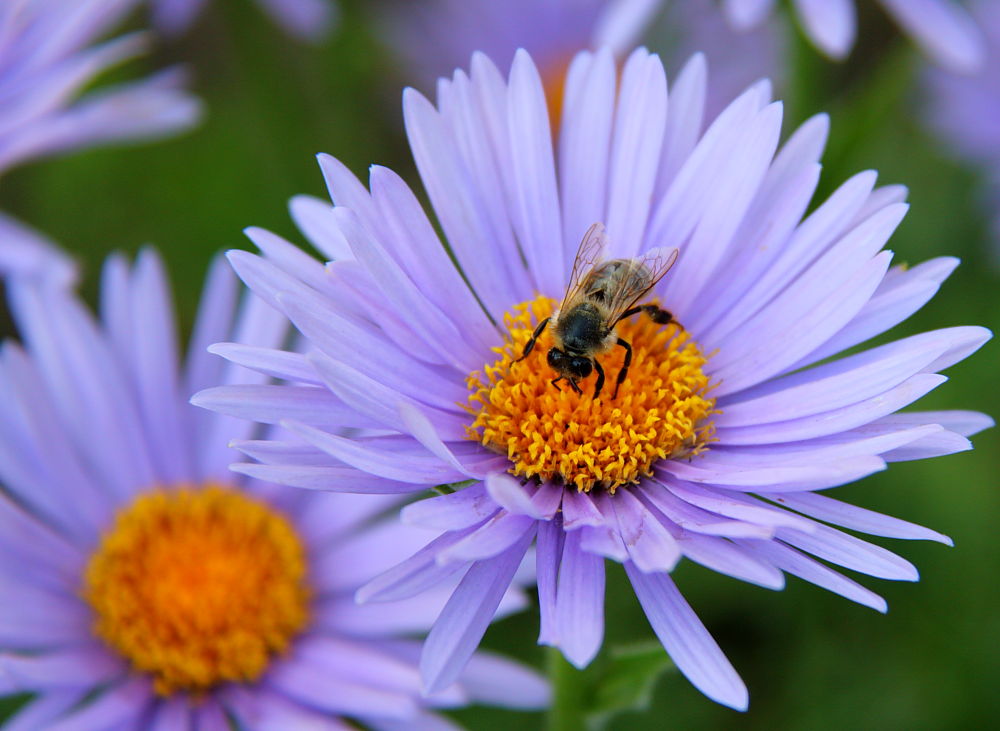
[(47, 57), (732, 420), (965, 110), (310, 20), (437, 36), (735, 59), (942, 28), (432, 38), (25, 253), (156, 590)]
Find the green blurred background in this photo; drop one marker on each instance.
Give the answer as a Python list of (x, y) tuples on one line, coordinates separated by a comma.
[(812, 660)]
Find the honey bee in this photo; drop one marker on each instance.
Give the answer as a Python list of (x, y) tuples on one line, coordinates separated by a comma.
[(600, 294)]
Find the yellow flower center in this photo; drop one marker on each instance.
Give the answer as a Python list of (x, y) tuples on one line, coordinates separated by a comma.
[(198, 587), (554, 85), (661, 410)]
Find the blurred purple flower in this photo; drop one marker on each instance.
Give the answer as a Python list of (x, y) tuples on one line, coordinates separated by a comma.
[(47, 57), (726, 430), (26, 254), (735, 59), (310, 20), (965, 110), (96, 423), (942, 29), (436, 36)]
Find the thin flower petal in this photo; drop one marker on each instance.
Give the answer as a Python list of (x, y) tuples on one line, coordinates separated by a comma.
[(415, 574), (849, 516), (836, 420), (636, 142), (825, 388), (797, 564), (465, 617), (509, 494), (579, 510), (726, 558), (75, 667), (944, 30), (414, 468), (579, 612), (270, 404), (850, 552), (268, 361), (584, 143), (497, 535), (120, 705), (458, 208), (548, 557), (744, 14), (330, 479), (492, 679), (686, 639), (540, 223), (830, 24)]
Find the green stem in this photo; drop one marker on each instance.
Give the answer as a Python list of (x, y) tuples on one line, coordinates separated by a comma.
[(568, 688)]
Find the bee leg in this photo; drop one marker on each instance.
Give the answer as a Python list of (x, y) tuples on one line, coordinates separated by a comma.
[(627, 313), (600, 379), (572, 384), (656, 313), (624, 371), (534, 336)]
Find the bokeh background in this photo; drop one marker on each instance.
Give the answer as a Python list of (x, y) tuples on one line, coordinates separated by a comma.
[(811, 660)]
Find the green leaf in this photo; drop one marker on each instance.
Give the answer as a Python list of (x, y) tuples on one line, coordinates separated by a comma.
[(627, 681), (620, 680), (453, 487), (11, 704)]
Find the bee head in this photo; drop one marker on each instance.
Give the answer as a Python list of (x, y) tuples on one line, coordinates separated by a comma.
[(575, 366)]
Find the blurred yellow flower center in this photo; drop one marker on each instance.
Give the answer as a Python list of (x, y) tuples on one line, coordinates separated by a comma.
[(198, 587), (661, 410), (554, 85)]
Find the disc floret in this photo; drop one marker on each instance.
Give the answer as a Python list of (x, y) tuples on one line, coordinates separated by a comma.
[(198, 587), (661, 411)]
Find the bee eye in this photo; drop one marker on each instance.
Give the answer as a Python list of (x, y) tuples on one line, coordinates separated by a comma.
[(580, 367), (556, 358)]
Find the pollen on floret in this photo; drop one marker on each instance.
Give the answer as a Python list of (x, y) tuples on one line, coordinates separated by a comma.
[(662, 409), (198, 587)]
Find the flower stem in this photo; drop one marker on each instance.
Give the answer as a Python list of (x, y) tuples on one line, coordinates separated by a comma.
[(568, 689)]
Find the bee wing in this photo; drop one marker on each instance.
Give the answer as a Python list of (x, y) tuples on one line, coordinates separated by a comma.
[(588, 256), (648, 270)]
